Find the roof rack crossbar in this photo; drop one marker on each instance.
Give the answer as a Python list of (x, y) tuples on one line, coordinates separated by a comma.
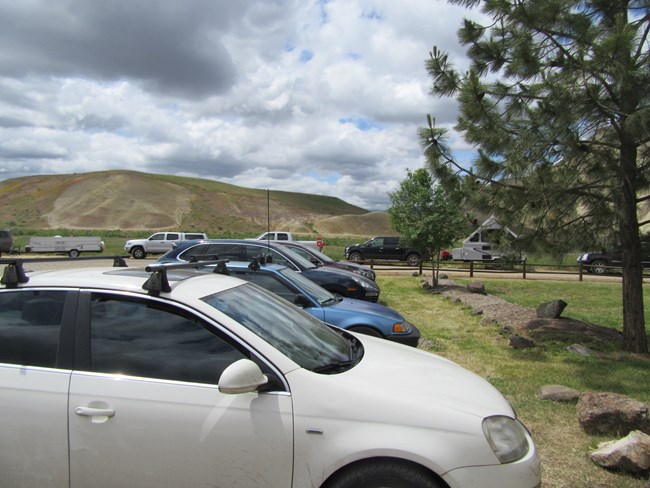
[(63, 259), (14, 272), (158, 281)]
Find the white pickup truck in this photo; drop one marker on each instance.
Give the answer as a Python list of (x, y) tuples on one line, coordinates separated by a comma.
[(287, 236), (72, 246), (159, 243)]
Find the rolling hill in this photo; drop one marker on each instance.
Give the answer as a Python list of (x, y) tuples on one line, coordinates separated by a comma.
[(130, 200)]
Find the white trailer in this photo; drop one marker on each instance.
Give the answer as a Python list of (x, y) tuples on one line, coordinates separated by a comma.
[(478, 246), (72, 246)]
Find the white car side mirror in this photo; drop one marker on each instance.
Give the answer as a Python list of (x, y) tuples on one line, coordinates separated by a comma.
[(243, 376)]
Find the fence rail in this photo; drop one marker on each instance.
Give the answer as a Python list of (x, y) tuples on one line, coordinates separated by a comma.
[(522, 268)]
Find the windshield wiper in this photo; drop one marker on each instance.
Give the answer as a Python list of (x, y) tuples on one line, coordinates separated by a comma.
[(334, 367), (355, 355)]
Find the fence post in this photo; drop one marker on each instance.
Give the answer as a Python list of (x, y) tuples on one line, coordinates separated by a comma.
[(524, 263), (372, 263), (471, 269), (580, 272)]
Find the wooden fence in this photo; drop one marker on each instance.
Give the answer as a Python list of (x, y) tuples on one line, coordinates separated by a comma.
[(519, 269)]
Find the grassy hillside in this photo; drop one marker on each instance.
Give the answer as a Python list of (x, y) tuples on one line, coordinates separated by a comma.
[(134, 201)]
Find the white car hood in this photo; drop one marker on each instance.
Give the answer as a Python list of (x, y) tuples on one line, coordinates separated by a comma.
[(391, 376)]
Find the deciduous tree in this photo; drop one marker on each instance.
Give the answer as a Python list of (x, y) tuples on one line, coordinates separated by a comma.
[(425, 214)]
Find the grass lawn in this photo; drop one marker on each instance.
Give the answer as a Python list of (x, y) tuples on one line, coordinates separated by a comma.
[(451, 331)]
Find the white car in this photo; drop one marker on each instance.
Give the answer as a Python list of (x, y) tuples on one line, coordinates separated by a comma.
[(125, 377)]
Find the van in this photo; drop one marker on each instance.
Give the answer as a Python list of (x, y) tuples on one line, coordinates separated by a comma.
[(6, 241)]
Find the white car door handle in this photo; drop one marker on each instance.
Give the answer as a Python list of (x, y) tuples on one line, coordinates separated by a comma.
[(94, 412)]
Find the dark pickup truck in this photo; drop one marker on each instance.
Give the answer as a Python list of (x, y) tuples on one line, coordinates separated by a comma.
[(383, 248), (609, 260)]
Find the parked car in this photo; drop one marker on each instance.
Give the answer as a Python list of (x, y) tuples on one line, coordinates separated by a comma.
[(384, 248), (159, 243), (6, 241), (336, 281), (321, 259), (125, 377), (355, 315), (286, 236), (602, 262)]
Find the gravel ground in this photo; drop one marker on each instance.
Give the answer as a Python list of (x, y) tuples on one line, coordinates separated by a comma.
[(524, 321)]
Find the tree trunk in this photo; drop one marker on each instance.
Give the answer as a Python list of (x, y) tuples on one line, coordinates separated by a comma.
[(634, 336)]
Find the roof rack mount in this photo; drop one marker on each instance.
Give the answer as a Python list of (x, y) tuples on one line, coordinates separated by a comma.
[(158, 281)]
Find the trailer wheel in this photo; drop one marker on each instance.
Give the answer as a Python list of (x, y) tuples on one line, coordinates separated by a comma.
[(73, 253)]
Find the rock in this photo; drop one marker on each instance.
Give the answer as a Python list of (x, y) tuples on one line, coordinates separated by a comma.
[(611, 414), (579, 349), (443, 276), (476, 287), (488, 321), (551, 310), (518, 342), (559, 393), (477, 311), (456, 300), (506, 330), (632, 453)]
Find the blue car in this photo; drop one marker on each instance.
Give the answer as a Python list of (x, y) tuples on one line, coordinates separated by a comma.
[(354, 315)]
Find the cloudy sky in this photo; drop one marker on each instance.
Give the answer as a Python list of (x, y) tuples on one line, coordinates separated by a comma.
[(322, 97)]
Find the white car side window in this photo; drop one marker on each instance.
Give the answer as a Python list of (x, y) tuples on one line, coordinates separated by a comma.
[(144, 338), (30, 322)]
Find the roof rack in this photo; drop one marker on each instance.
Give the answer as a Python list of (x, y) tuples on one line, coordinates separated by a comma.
[(158, 281), (258, 261), (14, 272)]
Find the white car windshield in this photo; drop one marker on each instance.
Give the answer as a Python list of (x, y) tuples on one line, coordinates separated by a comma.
[(304, 339)]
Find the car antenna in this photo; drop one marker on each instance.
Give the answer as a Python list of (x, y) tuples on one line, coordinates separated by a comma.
[(268, 219)]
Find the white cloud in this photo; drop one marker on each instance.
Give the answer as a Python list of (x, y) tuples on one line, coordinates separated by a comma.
[(317, 97)]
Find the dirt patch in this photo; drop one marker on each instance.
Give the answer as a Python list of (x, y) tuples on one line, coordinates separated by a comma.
[(523, 321)]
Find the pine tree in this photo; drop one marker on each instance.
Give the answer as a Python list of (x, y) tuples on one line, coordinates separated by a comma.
[(556, 102)]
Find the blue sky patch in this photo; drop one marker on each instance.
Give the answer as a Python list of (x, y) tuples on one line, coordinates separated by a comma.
[(306, 55), (329, 178), (361, 123)]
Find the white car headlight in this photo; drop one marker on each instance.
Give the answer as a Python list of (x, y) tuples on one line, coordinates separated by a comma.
[(507, 438)]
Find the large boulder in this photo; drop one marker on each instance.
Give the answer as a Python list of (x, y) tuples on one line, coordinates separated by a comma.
[(551, 310), (611, 414), (632, 453)]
